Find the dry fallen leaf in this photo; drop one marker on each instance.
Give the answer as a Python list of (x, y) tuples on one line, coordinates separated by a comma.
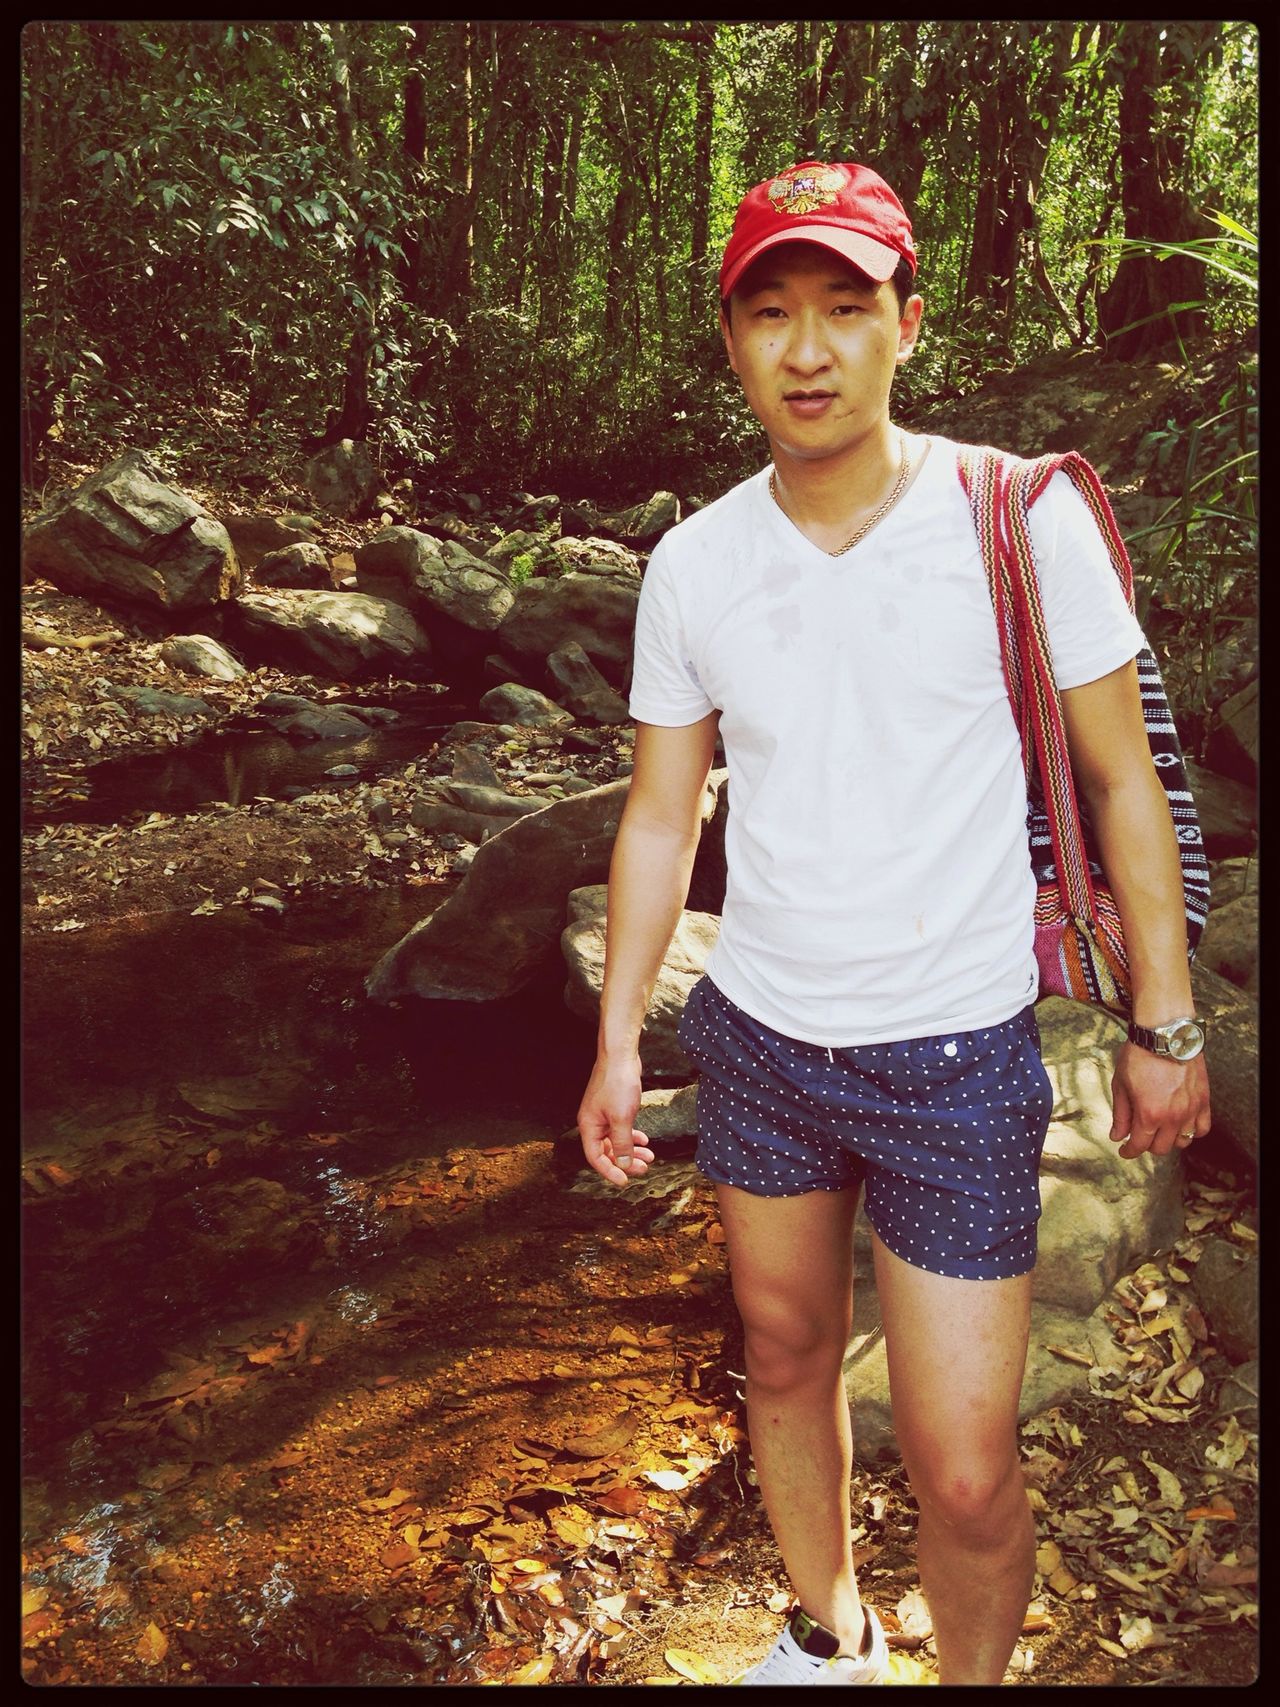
[(536, 1671), (914, 1618), (153, 1645), (397, 1496), (691, 1665), (1218, 1510)]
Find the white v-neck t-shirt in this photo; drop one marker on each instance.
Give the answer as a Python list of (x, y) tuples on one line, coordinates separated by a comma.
[(879, 880)]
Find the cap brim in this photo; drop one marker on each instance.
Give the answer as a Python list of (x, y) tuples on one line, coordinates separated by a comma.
[(877, 260)]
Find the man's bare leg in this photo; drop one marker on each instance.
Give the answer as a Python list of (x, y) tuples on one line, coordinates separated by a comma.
[(956, 1351), (792, 1265)]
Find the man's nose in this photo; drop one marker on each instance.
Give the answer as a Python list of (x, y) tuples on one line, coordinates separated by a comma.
[(808, 347)]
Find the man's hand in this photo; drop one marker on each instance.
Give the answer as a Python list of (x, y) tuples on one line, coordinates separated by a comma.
[(1159, 1105), (610, 1140)]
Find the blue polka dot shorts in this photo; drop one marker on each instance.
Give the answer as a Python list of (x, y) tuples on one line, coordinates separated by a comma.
[(946, 1132)]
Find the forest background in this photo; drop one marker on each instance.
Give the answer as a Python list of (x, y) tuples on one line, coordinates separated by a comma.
[(490, 248)]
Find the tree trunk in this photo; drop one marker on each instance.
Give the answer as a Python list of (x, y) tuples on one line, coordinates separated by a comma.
[(351, 419), (700, 211), (1136, 313)]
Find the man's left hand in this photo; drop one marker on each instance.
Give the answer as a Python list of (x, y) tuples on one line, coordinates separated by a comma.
[(1159, 1105)]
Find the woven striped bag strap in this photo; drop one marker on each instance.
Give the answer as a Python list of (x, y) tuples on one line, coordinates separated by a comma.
[(1001, 490)]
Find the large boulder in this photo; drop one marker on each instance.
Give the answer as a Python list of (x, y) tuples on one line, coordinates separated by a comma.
[(598, 611), (1231, 878), (306, 720), (1228, 812), (473, 810), (345, 635), (643, 525), (128, 536), (1047, 1381), (255, 534), (1233, 746), (582, 687), (342, 478), (1226, 1284), (1229, 945), (1231, 1054), (509, 702), (301, 565), (502, 923), (582, 944), (199, 655), (593, 556), (459, 599)]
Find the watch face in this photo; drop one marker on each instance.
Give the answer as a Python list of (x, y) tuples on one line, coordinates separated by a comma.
[(1186, 1041)]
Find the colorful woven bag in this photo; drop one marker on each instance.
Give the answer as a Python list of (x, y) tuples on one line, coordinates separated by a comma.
[(1079, 940)]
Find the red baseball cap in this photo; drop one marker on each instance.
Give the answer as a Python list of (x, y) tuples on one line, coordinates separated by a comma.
[(848, 209)]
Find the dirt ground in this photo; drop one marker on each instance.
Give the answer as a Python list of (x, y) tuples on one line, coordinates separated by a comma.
[(519, 1454)]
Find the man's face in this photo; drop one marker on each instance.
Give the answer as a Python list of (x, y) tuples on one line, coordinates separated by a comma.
[(816, 345)]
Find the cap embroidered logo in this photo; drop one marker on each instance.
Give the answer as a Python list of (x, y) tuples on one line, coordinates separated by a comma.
[(804, 189)]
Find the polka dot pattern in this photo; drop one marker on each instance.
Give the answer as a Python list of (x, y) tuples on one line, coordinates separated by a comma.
[(946, 1132)]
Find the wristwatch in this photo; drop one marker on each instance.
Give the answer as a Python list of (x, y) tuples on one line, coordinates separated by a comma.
[(1178, 1039)]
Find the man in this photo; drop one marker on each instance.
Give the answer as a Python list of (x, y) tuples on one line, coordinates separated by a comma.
[(866, 1013)]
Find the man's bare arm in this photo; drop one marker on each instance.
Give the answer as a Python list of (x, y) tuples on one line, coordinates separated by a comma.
[(1157, 1102), (648, 884)]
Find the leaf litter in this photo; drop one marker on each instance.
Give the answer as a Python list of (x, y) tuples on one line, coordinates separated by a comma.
[(603, 1527)]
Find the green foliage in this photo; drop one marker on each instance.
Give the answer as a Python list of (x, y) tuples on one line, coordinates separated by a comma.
[(510, 229)]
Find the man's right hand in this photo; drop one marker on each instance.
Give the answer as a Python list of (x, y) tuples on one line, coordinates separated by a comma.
[(606, 1122)]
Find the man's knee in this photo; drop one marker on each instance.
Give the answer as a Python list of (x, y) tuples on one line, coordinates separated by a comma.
[(978, 1499), (788, 1347)]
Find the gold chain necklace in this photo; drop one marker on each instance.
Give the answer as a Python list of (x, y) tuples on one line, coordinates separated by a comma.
[(898, 486)]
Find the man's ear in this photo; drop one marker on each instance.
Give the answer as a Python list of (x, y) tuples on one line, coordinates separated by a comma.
[(726, 332), (909, 327)]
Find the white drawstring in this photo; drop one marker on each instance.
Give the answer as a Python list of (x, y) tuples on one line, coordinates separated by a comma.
[(831, 1057)]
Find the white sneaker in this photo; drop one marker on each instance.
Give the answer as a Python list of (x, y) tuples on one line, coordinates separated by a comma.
[(792, 1659)]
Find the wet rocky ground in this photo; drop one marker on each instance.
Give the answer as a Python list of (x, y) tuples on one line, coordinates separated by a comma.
[(338, 1369)]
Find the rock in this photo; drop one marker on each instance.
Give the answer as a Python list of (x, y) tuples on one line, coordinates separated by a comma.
[(151, 702), (476, 813), (266, 904), (459, 599), (1231, 878), (1231, 1054), (346, 635), (342, 478), (710, 870), (598, 611), (125, 534), (254, 535), (343, 773), (300, 565), (520, 544), (471, 765), (583, 689), (1048, 1380), (1228, 812), (535, 512), (669, 1113), (1233, 746), (644, 524), (502, 923), (291, 714), (512, 703), (582, 945), (1229, 945), (381, 810), (597, 557), (1239, 1392), (199, 655), (1226, 1284), (496, 670)]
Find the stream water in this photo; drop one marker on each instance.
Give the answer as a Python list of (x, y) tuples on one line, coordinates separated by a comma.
[(204, 1100), (240, 765)]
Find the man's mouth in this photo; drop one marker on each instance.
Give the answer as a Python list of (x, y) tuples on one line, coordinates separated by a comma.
[(806, 396)]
